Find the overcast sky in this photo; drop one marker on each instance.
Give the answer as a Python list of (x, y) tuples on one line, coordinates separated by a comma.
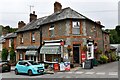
[(13, 11)]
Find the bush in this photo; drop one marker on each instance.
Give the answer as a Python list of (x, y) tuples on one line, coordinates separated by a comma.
[(4, 54), (103, 58), (113, 56)]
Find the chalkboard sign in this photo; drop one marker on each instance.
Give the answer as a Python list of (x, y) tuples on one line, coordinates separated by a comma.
[(88, 64)]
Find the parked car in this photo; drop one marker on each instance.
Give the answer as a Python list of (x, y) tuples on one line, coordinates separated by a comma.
[(5, 66), (29, 67)]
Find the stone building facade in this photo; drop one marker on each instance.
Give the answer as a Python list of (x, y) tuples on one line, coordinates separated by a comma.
[(60, 35)]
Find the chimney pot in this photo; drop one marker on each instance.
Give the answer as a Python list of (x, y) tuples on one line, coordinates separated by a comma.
[(21, 24), (33, 16), (98, 22)]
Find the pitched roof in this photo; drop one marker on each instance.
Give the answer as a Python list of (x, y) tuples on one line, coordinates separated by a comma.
[(11, 35), (32, 25), (66, 13)]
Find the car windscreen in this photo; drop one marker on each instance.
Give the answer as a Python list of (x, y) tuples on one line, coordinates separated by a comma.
[(33, 62)]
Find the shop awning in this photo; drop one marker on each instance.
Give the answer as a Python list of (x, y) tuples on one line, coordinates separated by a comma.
[(27, 47), (34, 53), (50, 50)]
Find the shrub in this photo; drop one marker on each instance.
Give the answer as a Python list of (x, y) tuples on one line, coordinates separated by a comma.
[(113, 56), (4, 54), (103, 58), (98, 51)]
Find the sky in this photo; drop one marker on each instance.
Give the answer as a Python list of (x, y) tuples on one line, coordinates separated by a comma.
[(13, 11)]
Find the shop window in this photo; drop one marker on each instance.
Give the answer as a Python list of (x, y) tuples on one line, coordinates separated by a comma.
[(21, 56), (76, 27), (33, 36), (52, 30)]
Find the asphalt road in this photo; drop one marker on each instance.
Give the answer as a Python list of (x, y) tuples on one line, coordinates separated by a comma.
[(109, 70)]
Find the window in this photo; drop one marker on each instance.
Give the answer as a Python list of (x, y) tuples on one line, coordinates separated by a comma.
[(21, 38), (21, 56), (9, 42), (51, 30), (76, 27), (33, 36)]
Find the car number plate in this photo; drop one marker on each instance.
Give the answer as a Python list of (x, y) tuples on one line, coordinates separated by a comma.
[(40, 70)]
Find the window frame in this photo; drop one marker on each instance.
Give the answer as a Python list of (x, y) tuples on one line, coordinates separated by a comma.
[(76, 25), (21, 39), (52, 30), (33, 36)]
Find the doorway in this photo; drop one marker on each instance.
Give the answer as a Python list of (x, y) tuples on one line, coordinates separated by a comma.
[(76, 53)]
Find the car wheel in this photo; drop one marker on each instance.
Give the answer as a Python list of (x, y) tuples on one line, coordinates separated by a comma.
[(30, 72), (16, 71)]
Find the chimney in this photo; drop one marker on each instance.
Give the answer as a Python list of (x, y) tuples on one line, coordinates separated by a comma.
[(98, 22), (21, 24), (57, 7), (33, 16)]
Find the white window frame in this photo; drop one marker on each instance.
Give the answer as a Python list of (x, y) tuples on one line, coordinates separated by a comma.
[(33, 36), (76, 25), (10, 42), (21, 38), (52, 28)]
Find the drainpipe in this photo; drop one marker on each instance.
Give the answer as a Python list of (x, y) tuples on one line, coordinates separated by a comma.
[(40, 43)]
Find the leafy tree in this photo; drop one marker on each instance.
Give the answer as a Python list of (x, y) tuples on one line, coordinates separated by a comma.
[(118, 30), (114, 38), (8, 29), (4, 54), (12, 53)]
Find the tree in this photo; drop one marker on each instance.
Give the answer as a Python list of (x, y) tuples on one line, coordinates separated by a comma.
[(4, 54), (118, 30), (12, 53), (114, 38)]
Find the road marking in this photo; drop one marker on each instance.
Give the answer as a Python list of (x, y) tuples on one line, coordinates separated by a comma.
[(113, 73), (89, 72), (69, 72), (78, 72), (100, 73)]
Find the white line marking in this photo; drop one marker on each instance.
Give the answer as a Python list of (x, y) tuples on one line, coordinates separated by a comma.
[(70, 72), (100, 73), (113, 73), (78, 72), (89, 72)]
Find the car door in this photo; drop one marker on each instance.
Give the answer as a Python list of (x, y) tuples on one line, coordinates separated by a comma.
[(25, 67), (20, 67)]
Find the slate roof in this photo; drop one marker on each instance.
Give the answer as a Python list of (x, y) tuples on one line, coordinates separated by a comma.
[(66, 13), (27, 47), (12, 35)]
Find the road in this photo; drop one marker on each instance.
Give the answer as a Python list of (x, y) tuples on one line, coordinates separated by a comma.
[(109, 70)]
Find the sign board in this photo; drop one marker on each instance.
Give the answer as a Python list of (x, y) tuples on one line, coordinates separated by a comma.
[(56, 66), (67, 66), (90, 50), (62, 66)]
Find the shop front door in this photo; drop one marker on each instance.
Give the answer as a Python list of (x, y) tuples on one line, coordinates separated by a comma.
[(76, 53)]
